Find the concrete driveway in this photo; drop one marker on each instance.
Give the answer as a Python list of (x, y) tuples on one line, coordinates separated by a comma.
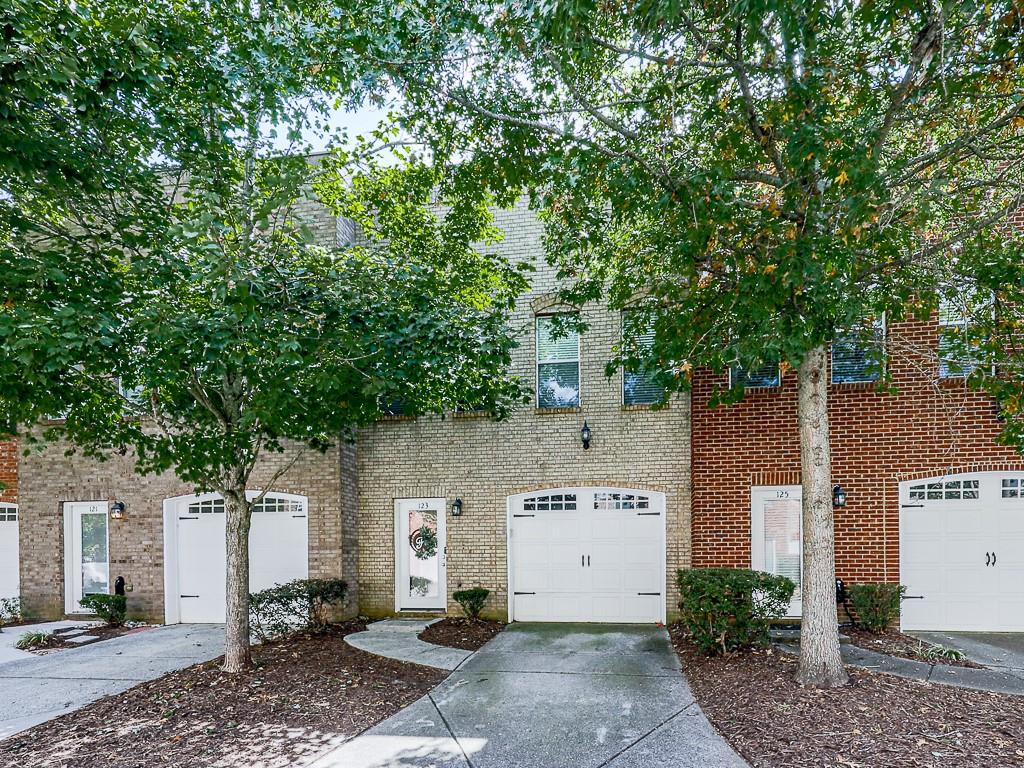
[(997, 650), (34, 690), (551, 696)]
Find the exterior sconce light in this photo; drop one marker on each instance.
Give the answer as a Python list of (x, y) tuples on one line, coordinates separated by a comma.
[(585, 435), (457, 508), (117, 510), (838, 496)]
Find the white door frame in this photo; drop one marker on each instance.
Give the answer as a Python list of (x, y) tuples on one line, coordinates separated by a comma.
[(171, 509), (757, 563), (71, 573), (441, 507), (511, 500)]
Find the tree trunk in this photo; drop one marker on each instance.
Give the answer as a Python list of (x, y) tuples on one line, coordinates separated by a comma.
[(237, 657), (821, 664)]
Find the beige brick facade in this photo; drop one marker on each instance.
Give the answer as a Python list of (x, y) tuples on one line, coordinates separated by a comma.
[(472, 457), (483, 462), (49, 478)]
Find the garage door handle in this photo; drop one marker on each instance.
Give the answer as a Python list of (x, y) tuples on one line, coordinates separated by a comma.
[(188, 595), (993, 558), (988, 559)]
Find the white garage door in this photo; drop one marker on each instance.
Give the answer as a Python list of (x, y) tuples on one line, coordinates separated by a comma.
[(278, 552), (962, 552), (587, 554), (9, 577)]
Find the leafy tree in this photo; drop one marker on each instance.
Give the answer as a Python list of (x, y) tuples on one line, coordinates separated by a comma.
[(758, 177), (180, 307)]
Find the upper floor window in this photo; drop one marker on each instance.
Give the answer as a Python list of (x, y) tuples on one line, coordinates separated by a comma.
[(638, 384), (766, 375), (955, 355), (858, 354), (558, 363)]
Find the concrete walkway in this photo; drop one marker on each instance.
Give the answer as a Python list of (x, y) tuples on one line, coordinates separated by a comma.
[(397, 639), (552, 696), (1003, 651), (9, 636), (40, 688), (994, 680)]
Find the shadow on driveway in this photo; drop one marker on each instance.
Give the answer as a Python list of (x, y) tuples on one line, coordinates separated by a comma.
[(40, 688), (552, 696)]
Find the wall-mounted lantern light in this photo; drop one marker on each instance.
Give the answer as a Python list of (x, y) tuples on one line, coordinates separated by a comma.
[(456, 507), (117, 510), (838, 496), (585, 435)]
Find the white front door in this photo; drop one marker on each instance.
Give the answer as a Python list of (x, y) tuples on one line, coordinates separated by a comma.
[(420, 554), (197, 562), (86, 553), (962, 552), (776, 535), (587, 554), (9, 577)]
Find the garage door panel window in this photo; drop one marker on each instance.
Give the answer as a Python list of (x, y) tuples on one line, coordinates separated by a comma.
[(553, 502), (948, 490), (8, 513), (266, 504), (1012, 488), (620, 501)]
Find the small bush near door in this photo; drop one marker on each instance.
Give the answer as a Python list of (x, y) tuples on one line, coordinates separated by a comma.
[(110, 608), (728, 609), (877, 605), (10, 611), (472, 600), (303, 604)]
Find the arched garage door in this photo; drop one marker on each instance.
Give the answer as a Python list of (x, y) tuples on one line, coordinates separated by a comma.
[(962, 552), (9, 560), (195, 568), (587, 554)]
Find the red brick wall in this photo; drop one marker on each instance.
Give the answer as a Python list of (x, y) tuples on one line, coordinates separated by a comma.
[(928, 428), (9, 471)]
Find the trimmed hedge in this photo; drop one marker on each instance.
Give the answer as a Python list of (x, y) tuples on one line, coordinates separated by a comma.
[(303, 604), (729, 609), (877, 605), (472, 600), (110, 608)]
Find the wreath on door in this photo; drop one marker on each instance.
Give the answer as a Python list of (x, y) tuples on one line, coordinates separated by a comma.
[(423, 542)]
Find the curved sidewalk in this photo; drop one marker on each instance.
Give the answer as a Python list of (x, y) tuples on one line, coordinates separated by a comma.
[(397, 639), (992, 680)]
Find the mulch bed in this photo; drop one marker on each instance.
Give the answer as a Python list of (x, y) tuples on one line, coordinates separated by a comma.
[(895, 643), (58, 642), (879, 721), (467, 634), (307, 694)]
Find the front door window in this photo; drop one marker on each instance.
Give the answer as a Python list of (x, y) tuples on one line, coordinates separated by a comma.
[(86, 551), (421, 553), (776, 535)]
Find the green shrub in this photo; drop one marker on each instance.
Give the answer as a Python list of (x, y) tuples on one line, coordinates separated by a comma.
[(110, 608), (727, 609), (472, 600), (10, 611), (31, 640), (877, 605), (938, 654), (304, 604)]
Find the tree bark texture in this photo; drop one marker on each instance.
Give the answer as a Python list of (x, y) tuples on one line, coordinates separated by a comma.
[(821, 664), (237, 657)]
